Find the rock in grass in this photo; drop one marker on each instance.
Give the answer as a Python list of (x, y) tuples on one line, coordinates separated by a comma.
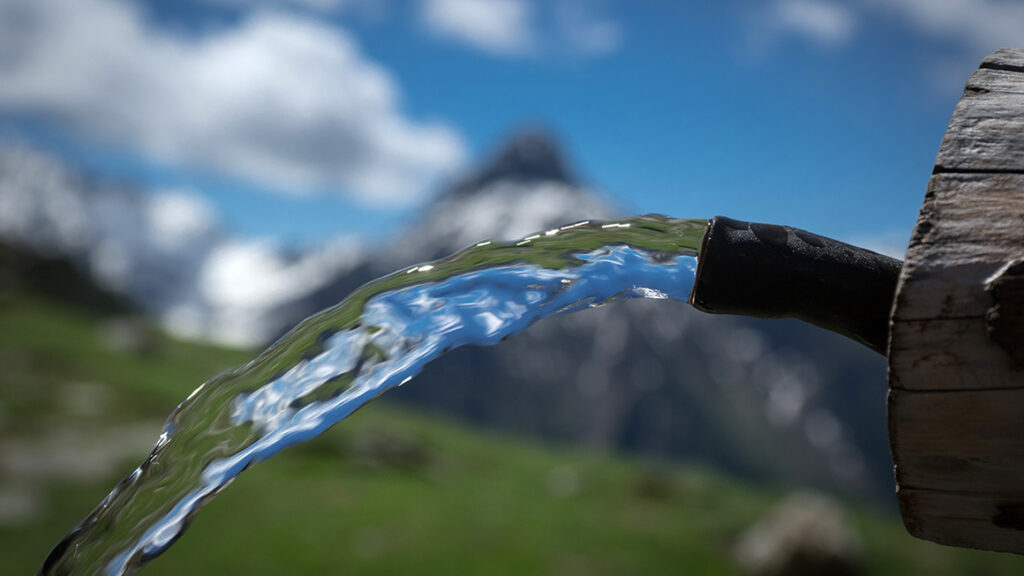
[(805, 534)]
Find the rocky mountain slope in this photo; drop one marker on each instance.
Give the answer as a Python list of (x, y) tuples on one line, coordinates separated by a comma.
[(770, 400), (778, 400)]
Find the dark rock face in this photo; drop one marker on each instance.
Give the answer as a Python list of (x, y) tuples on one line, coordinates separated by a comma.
[(23, 270), (529, 156), (661, 379), (767, 400)]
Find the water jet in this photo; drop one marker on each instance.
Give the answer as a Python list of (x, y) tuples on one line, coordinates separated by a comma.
[(948, 319)]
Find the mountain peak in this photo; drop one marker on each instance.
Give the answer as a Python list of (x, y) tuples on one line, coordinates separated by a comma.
[(526, 157)]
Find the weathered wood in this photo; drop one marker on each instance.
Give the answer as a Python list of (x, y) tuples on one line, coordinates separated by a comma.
[(957, 243), (961, 519), (989, 80), (956, 402), (986, 133), (948, 354), (948, 440), (1005, 318), (1005, 59)]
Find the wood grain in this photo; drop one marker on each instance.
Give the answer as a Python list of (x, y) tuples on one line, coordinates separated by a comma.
[(948, 440), (956, 399), (1005, 318), (949, 354), (989, 80), (970, 225), (963, 519), (1006, 59), (985, 135)]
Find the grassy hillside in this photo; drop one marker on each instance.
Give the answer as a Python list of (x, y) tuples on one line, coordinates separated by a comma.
[(386, 492)]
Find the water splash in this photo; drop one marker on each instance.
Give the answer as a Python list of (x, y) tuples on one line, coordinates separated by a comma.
[(339, 359)]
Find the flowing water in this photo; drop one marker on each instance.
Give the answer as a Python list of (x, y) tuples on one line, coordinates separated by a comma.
[(376, 339)]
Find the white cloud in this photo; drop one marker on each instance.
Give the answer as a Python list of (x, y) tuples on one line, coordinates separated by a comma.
[(363, 7), (176, 218), (825, 22), (585, 32), (496, 26), (978, 24), (523, 27), (278, 100), (972, 28), (891, 243), (981, 24), (244, 289), (316, 4)]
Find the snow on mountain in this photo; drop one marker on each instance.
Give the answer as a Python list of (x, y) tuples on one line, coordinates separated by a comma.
[(246, 290), (40, 205), (766, 400), (740, 393), (147, 247), (526, 187), (651, 377), (165, 251)]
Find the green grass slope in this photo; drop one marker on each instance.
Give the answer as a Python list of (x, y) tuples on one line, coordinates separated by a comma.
[(385, 492)]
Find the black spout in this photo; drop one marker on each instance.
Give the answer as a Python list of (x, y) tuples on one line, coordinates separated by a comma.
[(771, 271)]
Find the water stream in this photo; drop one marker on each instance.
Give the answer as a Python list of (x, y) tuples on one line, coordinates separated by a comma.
[(378, 338)]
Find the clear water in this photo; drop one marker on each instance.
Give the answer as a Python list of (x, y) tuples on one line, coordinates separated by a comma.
[(378, 338)]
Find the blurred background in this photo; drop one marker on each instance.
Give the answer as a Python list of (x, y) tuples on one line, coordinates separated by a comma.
[(183, 181)]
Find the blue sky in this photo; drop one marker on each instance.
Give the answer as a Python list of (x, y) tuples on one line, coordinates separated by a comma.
[(306, 119)]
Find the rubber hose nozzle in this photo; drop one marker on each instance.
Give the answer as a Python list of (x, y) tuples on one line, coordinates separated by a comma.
[(771, 271)]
